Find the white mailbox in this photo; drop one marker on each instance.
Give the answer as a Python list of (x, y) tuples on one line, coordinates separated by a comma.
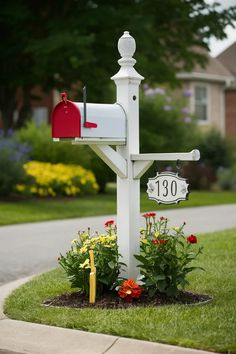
[(89, 122)]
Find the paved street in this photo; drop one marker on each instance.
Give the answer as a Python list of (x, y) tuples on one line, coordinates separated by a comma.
[(26, 249)]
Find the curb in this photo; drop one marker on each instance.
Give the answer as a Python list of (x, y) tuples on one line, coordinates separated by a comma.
[(32, 338)]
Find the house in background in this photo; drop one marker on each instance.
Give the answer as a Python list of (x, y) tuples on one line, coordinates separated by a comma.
[(228, 59), (213, 88)]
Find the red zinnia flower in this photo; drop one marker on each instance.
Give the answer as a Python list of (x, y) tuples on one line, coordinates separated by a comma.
[(192, 239), (109, 223), (159, 242), (130, 290), (148, 215), (155, 242)]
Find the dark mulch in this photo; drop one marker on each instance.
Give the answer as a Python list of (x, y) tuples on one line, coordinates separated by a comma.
[(112, 300)]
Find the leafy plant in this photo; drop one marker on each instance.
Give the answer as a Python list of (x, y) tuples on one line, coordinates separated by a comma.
[(12, 157), (165, 122), (227, 178), (165, 256), (45, 150), (215, 150), (76, 262)]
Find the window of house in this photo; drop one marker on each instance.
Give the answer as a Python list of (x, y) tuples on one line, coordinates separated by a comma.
[(200, 100)]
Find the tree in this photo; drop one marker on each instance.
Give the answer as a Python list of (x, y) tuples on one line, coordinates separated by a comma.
[(61, 44)]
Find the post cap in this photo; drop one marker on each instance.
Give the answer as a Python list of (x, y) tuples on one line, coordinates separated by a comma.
[(126, 45)]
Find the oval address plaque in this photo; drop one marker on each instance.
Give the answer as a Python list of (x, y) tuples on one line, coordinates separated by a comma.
[(167, 188)]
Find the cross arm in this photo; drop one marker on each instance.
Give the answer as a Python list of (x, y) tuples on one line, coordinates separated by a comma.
[(141, 162), (112, 158)]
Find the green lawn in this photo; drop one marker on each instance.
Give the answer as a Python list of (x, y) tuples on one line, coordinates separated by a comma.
[(211, 326), (38, 209)]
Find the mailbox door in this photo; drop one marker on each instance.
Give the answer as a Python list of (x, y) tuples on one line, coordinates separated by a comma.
[(66, 120)]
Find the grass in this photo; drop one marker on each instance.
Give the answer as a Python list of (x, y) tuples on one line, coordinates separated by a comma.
[(210, 327), (13, 212)]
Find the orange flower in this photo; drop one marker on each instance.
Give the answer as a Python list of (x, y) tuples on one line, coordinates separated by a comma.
[(130, 290)]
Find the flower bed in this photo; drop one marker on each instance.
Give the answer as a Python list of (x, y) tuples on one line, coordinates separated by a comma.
[(165, 260), (52, 180)]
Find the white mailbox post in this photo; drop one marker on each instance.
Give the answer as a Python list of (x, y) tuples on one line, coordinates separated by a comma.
[(125, 161)]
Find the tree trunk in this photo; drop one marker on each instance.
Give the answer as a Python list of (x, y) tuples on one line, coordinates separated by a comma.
[(7, 107), (25, 112)]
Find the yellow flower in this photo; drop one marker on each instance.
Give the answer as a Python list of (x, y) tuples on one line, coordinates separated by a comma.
[(83, 249), (176, 228), (20, 187), (85, 265), (144, 240), (83, 236), (45, 175), (156, 234)]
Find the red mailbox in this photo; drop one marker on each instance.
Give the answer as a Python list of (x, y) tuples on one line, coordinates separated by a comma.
[(66, 119)]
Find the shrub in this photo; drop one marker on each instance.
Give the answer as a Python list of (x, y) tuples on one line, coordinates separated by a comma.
[(12, 157), (45, 150), (57, 180), (165, 123), (227, 178), (76, 262), (165, 254), (216, 152)]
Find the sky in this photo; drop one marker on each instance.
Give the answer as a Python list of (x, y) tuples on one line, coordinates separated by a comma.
[(216, 46)]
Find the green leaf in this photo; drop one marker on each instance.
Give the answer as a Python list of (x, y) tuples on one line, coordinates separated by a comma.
[(141, 258), (111, 264)]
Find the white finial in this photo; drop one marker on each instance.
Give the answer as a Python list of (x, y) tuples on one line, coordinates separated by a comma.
[(126, 45)]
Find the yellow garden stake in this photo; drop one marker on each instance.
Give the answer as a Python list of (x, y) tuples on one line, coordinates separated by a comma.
[(92, 279)]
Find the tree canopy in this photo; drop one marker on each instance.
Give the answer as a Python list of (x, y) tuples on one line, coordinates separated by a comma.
[(58, 44)]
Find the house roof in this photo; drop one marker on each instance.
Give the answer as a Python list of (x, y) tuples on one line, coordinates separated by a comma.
[(228, 58), (214, 70), (213, 67)]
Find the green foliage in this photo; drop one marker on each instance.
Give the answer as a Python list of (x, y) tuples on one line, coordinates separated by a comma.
[(76, 262), (215, 150), (165, 256), (227, 178), (162, 123), (216, 153), (75, 45), (12, 158), (44, 149)]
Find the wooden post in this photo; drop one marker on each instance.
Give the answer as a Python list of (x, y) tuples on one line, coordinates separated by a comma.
[(127, 81)]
